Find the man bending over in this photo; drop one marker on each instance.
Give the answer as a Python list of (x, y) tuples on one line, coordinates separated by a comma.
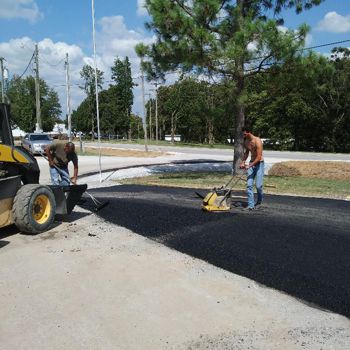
[(59, 155)]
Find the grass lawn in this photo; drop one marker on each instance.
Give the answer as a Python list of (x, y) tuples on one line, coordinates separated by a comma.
[(167, 143), (319, 179), (113, 152)]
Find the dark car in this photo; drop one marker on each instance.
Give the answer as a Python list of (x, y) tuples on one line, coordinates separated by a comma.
[(36, 143)]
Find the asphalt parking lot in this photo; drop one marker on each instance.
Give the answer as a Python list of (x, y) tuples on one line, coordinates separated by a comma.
[(152, 271), (296, 245)]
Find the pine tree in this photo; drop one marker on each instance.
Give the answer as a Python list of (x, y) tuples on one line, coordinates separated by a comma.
[(228, 39), (121, 74)]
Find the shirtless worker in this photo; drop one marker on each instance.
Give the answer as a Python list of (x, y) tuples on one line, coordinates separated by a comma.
[(255, 168), (59, 155)]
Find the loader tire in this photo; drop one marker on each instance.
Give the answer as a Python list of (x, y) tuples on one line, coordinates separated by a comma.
[(34, 208)]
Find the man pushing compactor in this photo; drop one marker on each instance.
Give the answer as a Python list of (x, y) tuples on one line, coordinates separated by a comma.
[(255, 168)]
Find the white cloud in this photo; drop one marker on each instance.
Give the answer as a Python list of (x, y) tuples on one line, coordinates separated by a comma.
[(252, 46), (282, 29), (308, 40), (334, 23), (141, 10), (114, 39), (25, 9), (18, 53)]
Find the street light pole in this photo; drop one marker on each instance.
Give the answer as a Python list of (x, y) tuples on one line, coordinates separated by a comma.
[(96, 90), (143, 108), (156, 112), (69, 114)]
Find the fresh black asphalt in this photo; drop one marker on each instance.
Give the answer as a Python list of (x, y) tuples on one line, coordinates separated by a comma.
[(300, 246)]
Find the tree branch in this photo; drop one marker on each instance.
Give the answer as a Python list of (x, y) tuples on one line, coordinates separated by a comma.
[(258, 69), (185, 8)]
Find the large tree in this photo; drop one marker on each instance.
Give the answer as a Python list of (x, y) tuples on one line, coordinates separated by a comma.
[(304, 105), (228, 39), (89, 86), (121, 74), (21, 94), (195, 109)]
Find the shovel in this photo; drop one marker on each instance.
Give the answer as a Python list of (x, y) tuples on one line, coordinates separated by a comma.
[(97, 204)]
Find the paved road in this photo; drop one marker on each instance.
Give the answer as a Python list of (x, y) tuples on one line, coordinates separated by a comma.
[(296, 245), (214, 152), (90, 164)]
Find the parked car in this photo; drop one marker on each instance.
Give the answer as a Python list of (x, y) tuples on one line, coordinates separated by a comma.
[(36, 142)]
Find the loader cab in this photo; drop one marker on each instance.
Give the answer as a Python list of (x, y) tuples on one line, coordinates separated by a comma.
[(15, 160), (6, 137)]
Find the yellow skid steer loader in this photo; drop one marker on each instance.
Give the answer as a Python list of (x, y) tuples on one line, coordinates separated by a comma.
[(23, 201)]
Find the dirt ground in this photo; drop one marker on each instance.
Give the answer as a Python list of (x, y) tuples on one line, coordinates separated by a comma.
[(312, 169)]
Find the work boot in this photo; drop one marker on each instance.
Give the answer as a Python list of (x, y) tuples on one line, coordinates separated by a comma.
[(248, 209), (258, 205)]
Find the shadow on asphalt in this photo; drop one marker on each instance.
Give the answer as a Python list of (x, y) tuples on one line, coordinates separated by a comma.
[(297, 245)]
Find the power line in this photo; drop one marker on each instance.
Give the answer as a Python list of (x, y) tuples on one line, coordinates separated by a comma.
[(178, 70), (323, 45), (306, 48), (303, 49), (30, 61), (52, 65)]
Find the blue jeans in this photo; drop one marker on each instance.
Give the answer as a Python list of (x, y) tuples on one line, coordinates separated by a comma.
[(256, 172), (60, 177)]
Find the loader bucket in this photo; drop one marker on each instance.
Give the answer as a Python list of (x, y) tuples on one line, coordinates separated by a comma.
[(67, 197)]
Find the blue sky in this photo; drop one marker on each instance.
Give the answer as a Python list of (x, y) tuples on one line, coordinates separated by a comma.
[(68, 21), (65, 26)]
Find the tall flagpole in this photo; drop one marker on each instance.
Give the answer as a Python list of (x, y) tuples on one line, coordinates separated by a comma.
[(96, 91)]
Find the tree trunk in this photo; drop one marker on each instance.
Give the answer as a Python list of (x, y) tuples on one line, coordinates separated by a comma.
[(239, 122), (172, 128), (93, 127), (240, 116), (210, 132), (129, 120)]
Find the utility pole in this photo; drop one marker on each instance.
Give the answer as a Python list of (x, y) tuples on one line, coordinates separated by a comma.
[(2, 79), (38, 126), (143, 107), (156, 85), (69, 114), (150, 116)]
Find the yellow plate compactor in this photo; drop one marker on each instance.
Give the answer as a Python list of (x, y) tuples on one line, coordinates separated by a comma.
[(219, 199)]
